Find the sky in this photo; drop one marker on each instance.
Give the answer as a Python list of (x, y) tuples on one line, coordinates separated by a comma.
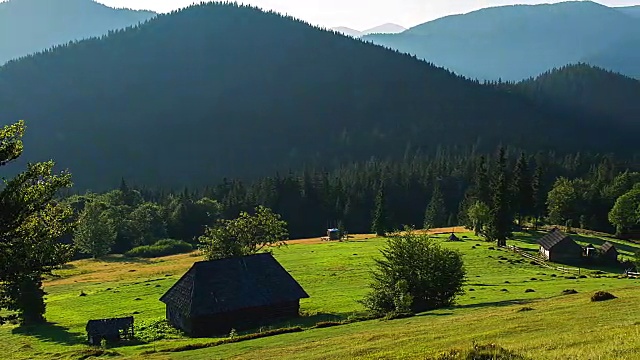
[(357, 14)]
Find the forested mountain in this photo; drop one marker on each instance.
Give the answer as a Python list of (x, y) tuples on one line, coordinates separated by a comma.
[(28, 26), (594, 94), (225, 90), (347, 31), (387, 28), (621, 56), (515, 42)]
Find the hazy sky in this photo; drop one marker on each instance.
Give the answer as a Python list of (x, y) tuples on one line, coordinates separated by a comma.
[(358, 14)]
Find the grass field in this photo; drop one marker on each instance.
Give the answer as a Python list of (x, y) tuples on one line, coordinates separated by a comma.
[(336, 275)]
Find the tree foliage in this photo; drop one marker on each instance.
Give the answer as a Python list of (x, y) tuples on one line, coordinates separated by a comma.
[(415, 274), (245, 235), (626, 211), (380, 224), (31, 224), (96, 231), (501, 219)]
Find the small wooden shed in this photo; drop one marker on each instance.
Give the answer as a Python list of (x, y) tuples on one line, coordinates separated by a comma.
[(558, 247), (239, 293), (112, 330), (590, 251), (453, 237), (609, 253), (333, 234)]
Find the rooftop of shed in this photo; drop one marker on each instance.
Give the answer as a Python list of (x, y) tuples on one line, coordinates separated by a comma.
[(219, 286)]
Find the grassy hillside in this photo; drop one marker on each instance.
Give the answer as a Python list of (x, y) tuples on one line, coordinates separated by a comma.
[(514, 42), (336, 276), (220, 90), (29, 26)]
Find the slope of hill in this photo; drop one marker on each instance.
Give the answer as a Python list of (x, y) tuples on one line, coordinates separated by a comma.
[(621, 56), (387, 28), (630, 10), (178, 101), (28, 26), (382, 29), (347, 31), (592, 93), (514, 42)]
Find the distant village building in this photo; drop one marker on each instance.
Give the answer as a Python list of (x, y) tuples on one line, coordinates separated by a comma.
[(609, 253), (590, 251), (214, 297), (111, 330), (559, 247), (333, 234)]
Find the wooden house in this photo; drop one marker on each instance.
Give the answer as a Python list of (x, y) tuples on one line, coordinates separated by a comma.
[(559, 247), (608, 253), (111, 330), (333, 234), (240, 293)]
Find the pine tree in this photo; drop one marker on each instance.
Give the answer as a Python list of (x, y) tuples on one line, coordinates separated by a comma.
[(538, 195), (522, 188), (499, 227), (481, 187), (31, 225), (380, 220), (435, 215)]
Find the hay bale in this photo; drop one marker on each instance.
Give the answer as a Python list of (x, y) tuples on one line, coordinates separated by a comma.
[(603, 296), (525, 309), (529, 291), (569, 292)]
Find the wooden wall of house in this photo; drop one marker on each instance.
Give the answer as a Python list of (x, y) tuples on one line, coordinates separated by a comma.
[(178, 319), (221, 324)]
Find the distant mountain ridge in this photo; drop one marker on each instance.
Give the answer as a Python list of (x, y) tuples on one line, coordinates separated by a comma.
[(517, 41), (630, 10), (387, 28), (29, 26), (222, 90)]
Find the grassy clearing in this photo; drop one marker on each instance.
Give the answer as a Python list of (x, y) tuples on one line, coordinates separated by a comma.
[(336, 276)]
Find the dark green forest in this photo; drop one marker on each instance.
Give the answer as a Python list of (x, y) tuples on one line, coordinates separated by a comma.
[(219, 90), (437, 190)]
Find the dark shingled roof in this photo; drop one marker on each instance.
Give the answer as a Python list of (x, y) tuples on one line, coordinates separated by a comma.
[(453, 237), (607, 246), (219, 286), (552, 239)]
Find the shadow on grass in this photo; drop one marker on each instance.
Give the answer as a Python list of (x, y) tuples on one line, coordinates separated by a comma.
[(51, 332), (494, 304)]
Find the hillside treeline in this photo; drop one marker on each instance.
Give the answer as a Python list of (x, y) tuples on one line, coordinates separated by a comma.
[(421, 190)]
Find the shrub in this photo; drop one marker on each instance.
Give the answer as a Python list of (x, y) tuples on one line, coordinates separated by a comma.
[(161, 248), (157, 329), (415, 274), (602, 296)]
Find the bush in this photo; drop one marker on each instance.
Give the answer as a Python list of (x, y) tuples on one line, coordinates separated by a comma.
[(161, 248), (602, 296), (157, 329), (415, 274)]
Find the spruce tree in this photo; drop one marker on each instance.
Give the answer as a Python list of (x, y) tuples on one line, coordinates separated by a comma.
[(379, 225), (538, 195), (522, 189), (31, 224), (435, 215), (499, 227)]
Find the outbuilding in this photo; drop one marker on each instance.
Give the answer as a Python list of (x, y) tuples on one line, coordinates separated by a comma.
[(111, 330), (239, 293), (609, 253), (557, 246)]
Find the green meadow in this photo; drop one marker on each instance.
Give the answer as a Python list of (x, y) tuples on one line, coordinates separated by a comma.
[(508, 301)]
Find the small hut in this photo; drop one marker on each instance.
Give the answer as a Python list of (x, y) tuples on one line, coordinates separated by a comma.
[(111, 330), (333, 234), (559, 247), (609, 253), (240, 293), (453, 237)]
